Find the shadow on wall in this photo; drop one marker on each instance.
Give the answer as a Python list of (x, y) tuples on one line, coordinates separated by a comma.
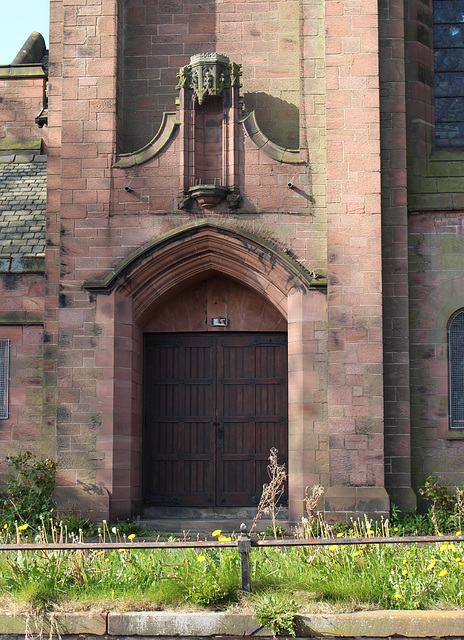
[(278, 119)]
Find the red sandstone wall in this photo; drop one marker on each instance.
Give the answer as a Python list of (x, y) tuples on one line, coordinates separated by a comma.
[(355, 384), (21, 100), (437, 290), (21, 301), (160, 37), (94, 350), (395, 255)]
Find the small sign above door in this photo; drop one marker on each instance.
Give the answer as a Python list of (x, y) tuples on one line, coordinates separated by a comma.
[(219, 322)]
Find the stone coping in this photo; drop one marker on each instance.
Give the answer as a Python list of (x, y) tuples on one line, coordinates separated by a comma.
[(22, 71), (371, 624)]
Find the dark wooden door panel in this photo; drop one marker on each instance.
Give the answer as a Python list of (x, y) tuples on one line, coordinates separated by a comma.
[(215, 404), (251, 395), (179, 444)]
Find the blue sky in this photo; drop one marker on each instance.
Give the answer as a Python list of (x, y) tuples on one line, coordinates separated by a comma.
[(19, 19)]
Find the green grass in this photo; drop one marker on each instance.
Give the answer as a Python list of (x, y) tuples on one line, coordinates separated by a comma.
[(284, 580)]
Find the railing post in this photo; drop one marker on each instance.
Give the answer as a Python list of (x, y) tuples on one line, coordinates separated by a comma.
[(244, 547)]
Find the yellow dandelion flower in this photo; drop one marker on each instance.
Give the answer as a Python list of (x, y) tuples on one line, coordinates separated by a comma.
[(356, 553), (340, 535), (441, 534), (459, 533), (5, 526), (405, 572), (397, 596), (23, 527), (100, 553), (201, 559), (217, 532), (52, 510), (107, 559), (363, 546), (131, 536), (405, 560), (462, 563), (443, 573), (224, 539), (443, 547), (277, 550), (370, 532), (121, 550), (395, 528), (431, 565)]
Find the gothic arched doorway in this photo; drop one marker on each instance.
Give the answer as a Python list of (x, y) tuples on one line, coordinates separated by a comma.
[(279, 296), (215, 395)]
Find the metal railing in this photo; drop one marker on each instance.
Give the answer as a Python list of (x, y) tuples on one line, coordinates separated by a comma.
[(244, 543)]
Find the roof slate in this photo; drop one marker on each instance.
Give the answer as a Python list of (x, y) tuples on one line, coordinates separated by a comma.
[(23, 197)]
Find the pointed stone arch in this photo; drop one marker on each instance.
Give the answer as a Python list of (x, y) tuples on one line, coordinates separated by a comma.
[(160, 269), (190, 253)]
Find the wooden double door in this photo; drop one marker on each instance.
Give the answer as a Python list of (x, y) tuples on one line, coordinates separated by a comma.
[(215, 404)]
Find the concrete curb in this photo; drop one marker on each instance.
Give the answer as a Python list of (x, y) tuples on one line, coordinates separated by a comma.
[(59, 624), (371, 624), (157, 623), (381, 624)]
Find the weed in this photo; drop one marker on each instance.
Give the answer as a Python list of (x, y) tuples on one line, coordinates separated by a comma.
[(439, 495), (310, 502), (26, 496), (276, 611), (272, 492), (410, 523), (76, 525), (128, 527), (278, 531)]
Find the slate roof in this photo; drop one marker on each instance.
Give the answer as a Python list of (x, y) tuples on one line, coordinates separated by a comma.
[(23, 194)]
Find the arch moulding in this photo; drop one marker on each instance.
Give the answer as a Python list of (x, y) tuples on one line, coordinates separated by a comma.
[(195, 251)]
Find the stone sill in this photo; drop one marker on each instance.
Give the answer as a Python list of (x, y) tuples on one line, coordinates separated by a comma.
[(371, 624), (455, 434)]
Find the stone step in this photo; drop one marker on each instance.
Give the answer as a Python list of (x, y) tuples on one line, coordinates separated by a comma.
[(205, 526)]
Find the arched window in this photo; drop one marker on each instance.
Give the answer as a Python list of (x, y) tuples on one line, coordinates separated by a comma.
[(4, 376), (456, 369), (448, 45)]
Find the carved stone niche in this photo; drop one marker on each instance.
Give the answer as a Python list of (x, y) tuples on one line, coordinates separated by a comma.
[(210, 109)]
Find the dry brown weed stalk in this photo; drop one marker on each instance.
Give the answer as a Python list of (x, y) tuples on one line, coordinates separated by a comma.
[(310, 502), (272, 492)]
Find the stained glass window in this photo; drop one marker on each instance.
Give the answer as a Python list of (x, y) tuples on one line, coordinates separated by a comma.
[(448, 44)]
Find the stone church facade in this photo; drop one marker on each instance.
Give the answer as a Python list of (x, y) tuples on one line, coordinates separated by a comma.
[(252, 238)]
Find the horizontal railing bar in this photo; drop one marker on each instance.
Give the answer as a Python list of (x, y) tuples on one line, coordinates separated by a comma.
[(354, 541), (81, 546), (204, 544)]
